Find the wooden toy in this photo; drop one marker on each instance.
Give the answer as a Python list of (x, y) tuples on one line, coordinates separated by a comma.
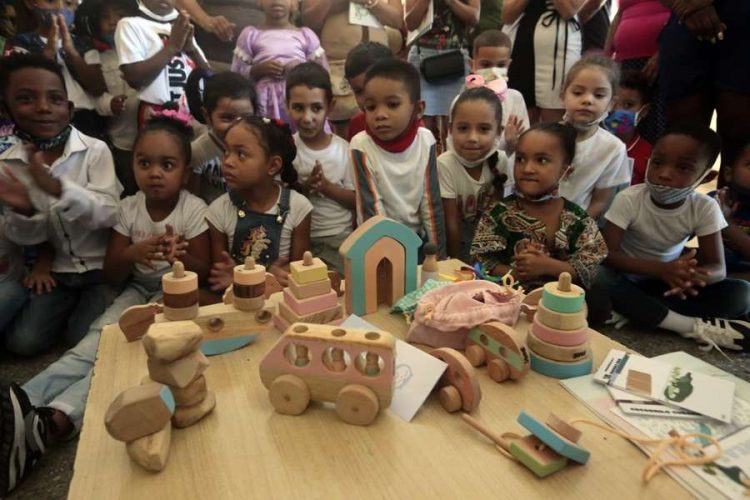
[(380, 264), (322, 317), (308, 290), (536, 456), (558, 369), (338, 364), (554, 440), (458, 388), (309, 270), (430, 264), (558, 352), (151, 452), (135, 321), (530, 303), (185, 416), (194, 393), (563, 428), (170, 341), (139, 411), (557, 336), (372, 365), (249, 286), (560, 321), (498, 345), (326, 300), (178, 373), (180, 289), (563, 296), (358, 397)]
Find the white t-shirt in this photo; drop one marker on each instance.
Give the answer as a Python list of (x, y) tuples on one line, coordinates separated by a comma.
[(456, 183), (123, 128), (137, 39), (658, 234), (188, 219), (223, 215), (601, 162), (329, 218)]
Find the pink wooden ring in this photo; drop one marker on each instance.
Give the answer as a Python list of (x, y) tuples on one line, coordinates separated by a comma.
[(559, 337), (558, 352)]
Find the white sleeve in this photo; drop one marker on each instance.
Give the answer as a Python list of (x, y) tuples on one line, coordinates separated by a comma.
[(347, 181), (621, 211), (445, 175), (124, 224), (195, 216), (617, 170), (130, 43), (92, 57), (103, 104), (23, 230), (710, 219), (216, 214), (299, 208)]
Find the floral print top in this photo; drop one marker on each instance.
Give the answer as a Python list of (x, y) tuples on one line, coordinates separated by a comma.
[(447, 32), (506, 230)]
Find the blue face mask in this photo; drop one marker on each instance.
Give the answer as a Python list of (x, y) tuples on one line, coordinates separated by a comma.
[(44, 16), (109, 39), (621, 123)]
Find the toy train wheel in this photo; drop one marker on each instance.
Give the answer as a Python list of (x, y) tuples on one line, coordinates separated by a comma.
[(476, 355), (289, 395), (498, 370), (450, 398), (357, 405)]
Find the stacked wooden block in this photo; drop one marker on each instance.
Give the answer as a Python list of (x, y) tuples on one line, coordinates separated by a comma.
[(558, 337), (249, 286), (309, 298)]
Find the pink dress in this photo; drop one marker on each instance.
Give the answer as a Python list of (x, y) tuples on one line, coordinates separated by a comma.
[(255, 46), (637, 35)]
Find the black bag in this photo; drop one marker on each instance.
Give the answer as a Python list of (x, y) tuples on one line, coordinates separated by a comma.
[(447, 65)]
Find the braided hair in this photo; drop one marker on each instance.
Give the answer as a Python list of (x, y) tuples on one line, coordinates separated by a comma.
[(275, 137)]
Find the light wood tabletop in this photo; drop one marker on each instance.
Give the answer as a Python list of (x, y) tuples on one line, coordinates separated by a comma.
[(247, 450)]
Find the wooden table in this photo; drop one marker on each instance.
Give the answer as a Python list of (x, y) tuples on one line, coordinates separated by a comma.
[(247, 450)]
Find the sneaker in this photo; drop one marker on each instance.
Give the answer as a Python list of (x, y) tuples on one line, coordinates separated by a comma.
[(716, 332), (23, 436)]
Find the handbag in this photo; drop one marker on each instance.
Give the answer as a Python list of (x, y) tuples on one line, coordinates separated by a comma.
[(443, 66)]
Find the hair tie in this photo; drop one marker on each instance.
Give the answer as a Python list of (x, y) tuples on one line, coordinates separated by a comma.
[(499, 86), (173, 114)]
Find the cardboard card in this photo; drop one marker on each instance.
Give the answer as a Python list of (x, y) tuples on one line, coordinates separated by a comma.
[(360, 15), (417, 373), (671, 385), (632, 404)]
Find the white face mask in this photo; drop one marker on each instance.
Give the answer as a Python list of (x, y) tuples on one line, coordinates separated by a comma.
[(582, 127), (492, 73), (470, 163), (156, 17), (552, 194), (668, 195)]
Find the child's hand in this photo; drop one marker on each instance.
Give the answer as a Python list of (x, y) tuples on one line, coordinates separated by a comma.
[(14, 193), (39, 281), (728, 208), (189, 47), (513, 130), (221, 27), (280, 270), (271, 69), (174, 245), (117, 104), (41, 176), (530, 264), (67, 40), (681, 275), (50, 49), (146, 251), (318, 181), (180, 29), (222, 273), (291, 65)]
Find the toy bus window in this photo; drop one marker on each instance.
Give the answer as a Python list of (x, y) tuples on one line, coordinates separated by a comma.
[(338, 332), (336, 359), (370, 364), (483, 339), (297, 354)]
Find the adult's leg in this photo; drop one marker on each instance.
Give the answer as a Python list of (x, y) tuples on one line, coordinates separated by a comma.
[(13, 296)]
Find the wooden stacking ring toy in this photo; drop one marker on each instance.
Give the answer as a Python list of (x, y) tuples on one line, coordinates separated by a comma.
[(556, 351), (560, 321), (180, 293), (560, 370), (249, 286), (562, 296)]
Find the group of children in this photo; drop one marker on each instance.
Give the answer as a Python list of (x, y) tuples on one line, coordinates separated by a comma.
[(513, 197)]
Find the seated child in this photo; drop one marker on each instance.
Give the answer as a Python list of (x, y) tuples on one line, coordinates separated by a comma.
[(60, 186), (649, 276), (491, 59), (258, 217), (734, 200), (158, 225), (358, 61), (321, 162), (13, 294), (393, 160), (473, 171), (226, 97), (157, 53), (536, 234), (630, 106)]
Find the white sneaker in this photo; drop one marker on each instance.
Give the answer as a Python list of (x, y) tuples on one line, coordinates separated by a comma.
[(716, 332), (617, 319)]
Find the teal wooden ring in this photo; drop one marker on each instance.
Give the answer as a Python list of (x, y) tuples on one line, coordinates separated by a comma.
[(552, 439), (559, 370), (563, 304)]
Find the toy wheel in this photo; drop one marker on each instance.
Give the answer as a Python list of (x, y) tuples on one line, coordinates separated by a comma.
[(475, 355), (357, 405), (289, 395), (498, 370), (450, 398)]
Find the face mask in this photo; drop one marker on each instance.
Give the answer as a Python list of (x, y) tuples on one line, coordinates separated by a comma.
[(109, 39), (156, 17), (621, 123), (552, 194), (493, 73), (469, 163), (44, 144), (668, 195), (582, 127), (44, 16)]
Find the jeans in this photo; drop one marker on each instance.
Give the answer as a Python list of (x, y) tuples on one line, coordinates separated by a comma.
[(13, 296), (65, 313), (642, 301), (64, 385)]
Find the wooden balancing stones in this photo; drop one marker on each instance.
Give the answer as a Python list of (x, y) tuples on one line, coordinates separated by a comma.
[(309, 298), (558, 336), (458, 388), (352, 368), (497, 345)]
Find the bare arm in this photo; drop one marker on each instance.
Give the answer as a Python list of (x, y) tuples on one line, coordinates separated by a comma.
[(711, 257), (414, 12), (512, 10), (315, 12), (140, 74), (218, 25), (609, 44), (618, 260), (467, 12), (590, 8), (568, 8), (599, 199), (737, 240)]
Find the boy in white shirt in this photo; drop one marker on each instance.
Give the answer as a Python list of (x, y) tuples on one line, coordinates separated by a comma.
[(394, 165), (648, 276), (321, 162)]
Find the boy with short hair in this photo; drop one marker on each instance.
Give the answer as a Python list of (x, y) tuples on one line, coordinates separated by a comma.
[(393, 160), (630, 106), (648, 275), (321, 162), (358, 61)]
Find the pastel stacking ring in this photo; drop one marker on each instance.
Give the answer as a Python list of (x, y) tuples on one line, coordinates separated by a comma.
[(556, 335), (559, 370), (556, 352), (563, 296)]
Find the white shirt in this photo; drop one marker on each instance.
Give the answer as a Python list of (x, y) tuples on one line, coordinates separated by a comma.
[(660, 234), (188, 219), (123, 128), (222, 214), (76, 224), (329, 218), (11, 256), (138, 39), (601, 161)]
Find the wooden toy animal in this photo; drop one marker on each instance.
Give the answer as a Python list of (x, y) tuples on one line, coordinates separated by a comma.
[(307, 364), (498, 345)]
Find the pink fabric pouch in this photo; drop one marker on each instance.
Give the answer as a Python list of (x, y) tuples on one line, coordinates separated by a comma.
[(445, 315)]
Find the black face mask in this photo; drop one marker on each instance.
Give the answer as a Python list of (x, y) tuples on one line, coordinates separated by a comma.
[(740, 194)]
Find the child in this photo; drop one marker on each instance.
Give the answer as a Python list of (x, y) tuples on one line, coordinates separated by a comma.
[(358, 61), (160, 223), (473, 170), (80, 63), (258, 217), (13, 295), (536, 234), (59, 186), (649, 276), (393, 160), (321, 161), (491, 60), (7, 23), (601, 161), (631, 105), (227, 96), (734, 200), (157, 53), (267, 53)]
